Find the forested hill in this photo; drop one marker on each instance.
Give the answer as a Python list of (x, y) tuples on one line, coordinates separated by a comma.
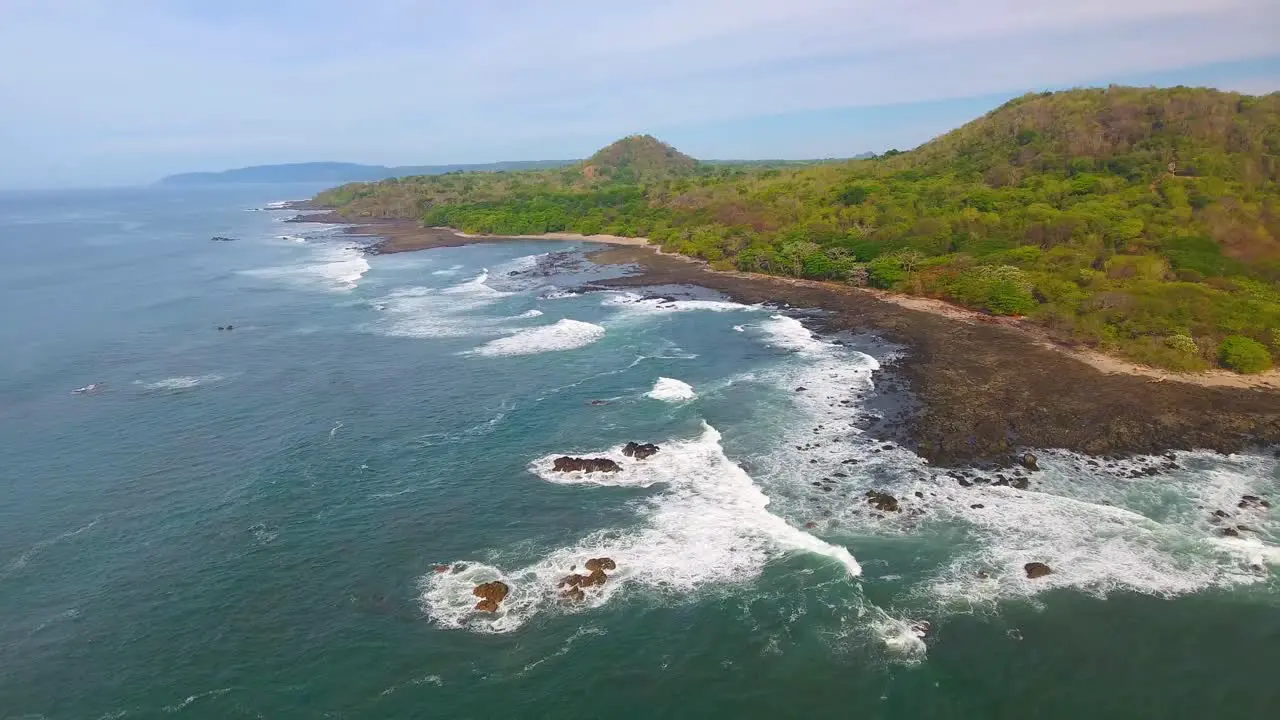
[(1142, 221), (341, 172)]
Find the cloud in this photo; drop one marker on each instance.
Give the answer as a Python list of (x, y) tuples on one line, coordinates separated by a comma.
[(133, 87)]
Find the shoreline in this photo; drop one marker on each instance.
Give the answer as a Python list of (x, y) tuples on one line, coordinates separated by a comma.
[(407, 236), (983, 386)]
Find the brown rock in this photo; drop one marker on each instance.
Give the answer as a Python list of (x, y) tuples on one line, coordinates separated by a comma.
[(639, 451), (573, 580), (597, 577), (1029, 461), (573, 594), (1036, 570), (442, 569), (491, 594), (810, 525), (565, 463), (601, 564)]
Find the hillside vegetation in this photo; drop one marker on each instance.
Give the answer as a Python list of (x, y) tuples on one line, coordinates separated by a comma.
[(1144, 222)]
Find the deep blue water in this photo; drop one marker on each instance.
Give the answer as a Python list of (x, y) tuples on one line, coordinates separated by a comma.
[(248, 523)]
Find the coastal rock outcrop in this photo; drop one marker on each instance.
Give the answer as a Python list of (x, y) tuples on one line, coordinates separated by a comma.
[(1029, 461), (639, 451), (883, 502), (565, 463), (1036, 570), (572, 585), (491, 595), (220, 238)]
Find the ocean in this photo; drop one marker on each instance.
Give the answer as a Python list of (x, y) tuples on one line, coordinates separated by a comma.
[(286, 519)]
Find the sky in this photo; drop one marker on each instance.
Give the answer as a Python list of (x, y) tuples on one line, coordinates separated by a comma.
[(112, 92)]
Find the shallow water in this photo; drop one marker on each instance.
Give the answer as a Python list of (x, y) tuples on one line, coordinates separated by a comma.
[(247, 523)]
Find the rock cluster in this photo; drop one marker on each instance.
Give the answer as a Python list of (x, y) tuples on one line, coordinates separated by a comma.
[(883, 502), (572, 585), (640, 451), (565, 463), (491, 595)]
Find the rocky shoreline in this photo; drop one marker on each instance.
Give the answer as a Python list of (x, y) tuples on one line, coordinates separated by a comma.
[(976, 393)]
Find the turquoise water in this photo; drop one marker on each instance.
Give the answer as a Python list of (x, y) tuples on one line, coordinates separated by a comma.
[(247, 523)]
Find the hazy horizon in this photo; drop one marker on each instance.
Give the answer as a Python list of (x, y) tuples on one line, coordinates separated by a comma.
[(125, 93)]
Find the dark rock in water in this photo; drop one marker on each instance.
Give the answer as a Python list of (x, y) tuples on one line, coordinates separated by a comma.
[(231, 327), (919, 494), (921, 628), (1220, 513), (219, 238), (588, 465), (573, 594), (882, 501), (442, 569), (1036, 570), (599, 402), (801, 388), (1029, 461), (220, 327), (1229, 532), (491, 595), (983, 574), (1020, 483), (810, 525), (638, 451), (977, 506), (603, 563), (1252, 502), (850, 461), (964, 483)]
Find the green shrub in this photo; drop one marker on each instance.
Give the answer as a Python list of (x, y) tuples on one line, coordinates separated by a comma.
[(885, 272), (1244, 355)]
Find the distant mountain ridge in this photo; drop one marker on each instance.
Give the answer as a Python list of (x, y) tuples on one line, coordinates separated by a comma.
[(342, 172)]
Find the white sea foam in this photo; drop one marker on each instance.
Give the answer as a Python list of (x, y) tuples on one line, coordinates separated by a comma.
[(789, 333), (334, 268), (530, 314), (565, 334), (1153, 535), (739, 328), (1099, 531), (671, 390), (710, 525), (183, 382), (424, 312), (292, 238), (640, 305)]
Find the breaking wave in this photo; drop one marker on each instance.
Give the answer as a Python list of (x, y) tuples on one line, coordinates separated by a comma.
[(671, 390), (565, 334), (183, 382), (710, 525)]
